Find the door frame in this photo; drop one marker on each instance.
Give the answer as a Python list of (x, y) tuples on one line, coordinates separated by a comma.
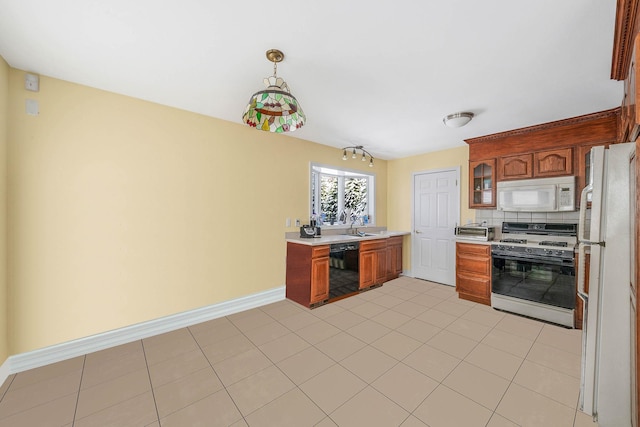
[(455, 169)]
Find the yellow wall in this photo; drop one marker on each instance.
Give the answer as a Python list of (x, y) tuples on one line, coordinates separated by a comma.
[(4, 100), (400, 178), (122, 211)]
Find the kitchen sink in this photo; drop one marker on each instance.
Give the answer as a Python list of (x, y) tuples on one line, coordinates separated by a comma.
[(360, 235)]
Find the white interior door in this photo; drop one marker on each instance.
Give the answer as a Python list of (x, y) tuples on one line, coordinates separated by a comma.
[(436, 210)]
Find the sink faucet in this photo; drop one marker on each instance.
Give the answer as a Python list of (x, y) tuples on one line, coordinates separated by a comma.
[(351, 229), (354, 221)]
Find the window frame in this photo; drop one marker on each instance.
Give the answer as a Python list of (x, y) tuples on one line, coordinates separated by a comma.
[(341, 173)]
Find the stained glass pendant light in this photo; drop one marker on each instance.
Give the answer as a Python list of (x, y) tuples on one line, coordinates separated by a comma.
[(274, 109)]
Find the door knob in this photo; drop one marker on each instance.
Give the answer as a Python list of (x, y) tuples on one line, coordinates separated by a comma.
[(418, 231)]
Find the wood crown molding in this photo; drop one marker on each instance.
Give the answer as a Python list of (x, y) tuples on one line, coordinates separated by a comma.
[(625, 31), (614, 112)]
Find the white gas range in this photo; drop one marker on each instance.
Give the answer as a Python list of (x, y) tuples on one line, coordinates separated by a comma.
[(533, 271)]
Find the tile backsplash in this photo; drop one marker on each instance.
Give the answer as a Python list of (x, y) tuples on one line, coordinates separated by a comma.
[(496, 218)]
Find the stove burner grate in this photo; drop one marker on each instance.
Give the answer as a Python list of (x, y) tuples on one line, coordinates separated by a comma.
[(552, 243), (523, 241)]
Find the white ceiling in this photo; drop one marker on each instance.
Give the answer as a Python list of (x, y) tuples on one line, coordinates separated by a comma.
[(381, 73)]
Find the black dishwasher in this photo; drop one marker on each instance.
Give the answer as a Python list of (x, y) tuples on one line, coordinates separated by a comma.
[(344, 276)]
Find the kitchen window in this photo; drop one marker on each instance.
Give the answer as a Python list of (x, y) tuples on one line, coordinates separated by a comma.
[(342, 197)]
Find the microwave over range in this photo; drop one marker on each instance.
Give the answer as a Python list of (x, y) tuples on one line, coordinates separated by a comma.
[(537, 195)]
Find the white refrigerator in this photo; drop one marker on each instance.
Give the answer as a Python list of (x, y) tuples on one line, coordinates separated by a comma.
[(606, 340)]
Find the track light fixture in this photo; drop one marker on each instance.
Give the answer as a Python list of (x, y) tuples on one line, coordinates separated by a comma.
[(354, 154)]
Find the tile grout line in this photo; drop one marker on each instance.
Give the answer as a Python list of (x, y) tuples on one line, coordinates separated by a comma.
[(335, 363), (514, 375), (75, 409), (398, 362), (411, 413), (441, 383), (493, 411), (153, 395), (216, 373), (13, 377), (477, 343), (310, 345), (297, 386), (459, 363), (103, 382), (281, 371)]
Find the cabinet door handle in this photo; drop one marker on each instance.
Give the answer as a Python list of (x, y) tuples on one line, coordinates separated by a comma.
[(418, 231)]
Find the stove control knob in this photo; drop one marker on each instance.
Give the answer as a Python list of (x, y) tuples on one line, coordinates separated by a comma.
[(528, 250)]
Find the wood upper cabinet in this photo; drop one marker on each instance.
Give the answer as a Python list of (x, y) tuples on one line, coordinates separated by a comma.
[(473, 272), (540, 164), (630, 114), (540, 151), (515, 167), (553, 163), (482, 184), (583, 160)]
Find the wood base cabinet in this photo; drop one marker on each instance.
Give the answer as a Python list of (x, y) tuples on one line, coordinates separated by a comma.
[(307, 274), (473, 272), (394, 257), (308, 267), (373, 263)]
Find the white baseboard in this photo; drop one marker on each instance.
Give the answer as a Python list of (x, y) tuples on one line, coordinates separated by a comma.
[(67, 350)]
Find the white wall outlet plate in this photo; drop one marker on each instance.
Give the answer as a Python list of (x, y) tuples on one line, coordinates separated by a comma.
[(32, 107), (32, 82)]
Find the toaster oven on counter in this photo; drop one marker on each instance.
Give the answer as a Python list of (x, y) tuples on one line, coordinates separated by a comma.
[(475, 232)]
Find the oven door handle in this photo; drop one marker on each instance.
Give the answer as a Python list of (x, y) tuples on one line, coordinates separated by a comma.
[(545, 260)]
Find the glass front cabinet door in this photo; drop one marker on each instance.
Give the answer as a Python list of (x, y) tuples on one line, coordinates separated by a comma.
[(482, 184)]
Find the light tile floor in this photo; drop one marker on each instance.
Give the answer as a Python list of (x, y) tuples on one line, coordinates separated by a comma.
[(407, 354)]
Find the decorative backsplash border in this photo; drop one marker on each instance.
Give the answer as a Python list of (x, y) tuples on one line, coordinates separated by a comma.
[(495, 217)]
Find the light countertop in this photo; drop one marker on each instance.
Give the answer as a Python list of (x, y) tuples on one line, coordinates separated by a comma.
[(341, 238), (475, 242)]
